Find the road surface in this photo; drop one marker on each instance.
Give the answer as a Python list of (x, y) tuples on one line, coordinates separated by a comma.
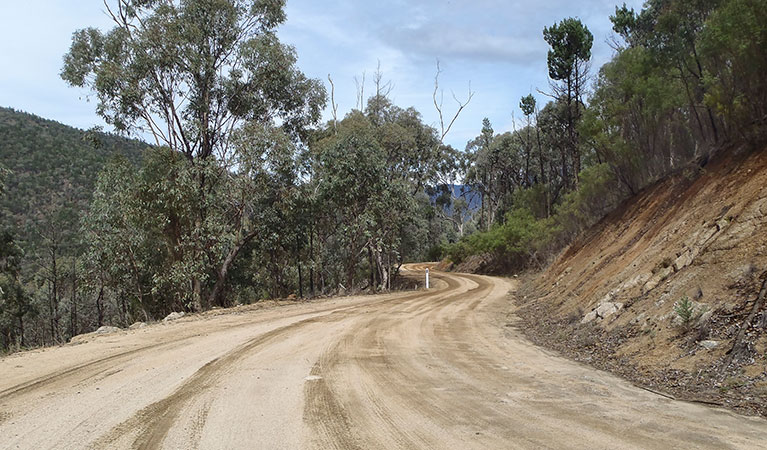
[(440, 369)]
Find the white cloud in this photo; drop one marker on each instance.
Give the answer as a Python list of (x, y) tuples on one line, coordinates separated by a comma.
[(445, 41)]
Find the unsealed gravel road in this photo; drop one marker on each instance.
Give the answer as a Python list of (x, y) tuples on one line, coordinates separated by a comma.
[(442, 369)]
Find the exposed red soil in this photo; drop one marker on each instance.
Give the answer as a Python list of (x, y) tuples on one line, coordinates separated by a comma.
[(699, 234)]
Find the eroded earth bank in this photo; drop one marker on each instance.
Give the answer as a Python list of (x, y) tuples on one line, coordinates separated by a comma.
[(616, 297)]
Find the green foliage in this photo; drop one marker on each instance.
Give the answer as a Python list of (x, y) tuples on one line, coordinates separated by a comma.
[(512, 243), (732, 47), (689, 81), (526, 240), (210, 80), (570, 43), (527, 105), (685, 310), (3, 176), (14, 301), (190, 72), (149, 242), (597, 194), (52, 167), (369, 171)]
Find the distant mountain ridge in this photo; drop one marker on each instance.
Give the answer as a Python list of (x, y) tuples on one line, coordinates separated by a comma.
[(53, 167), (465, 191)]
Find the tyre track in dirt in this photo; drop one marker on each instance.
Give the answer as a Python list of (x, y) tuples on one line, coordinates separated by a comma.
[(385, 369), (73, 376), (93, 367), (441, 375), (156, 420), (324, 413)]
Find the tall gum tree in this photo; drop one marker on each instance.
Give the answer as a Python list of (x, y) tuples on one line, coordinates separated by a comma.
[(191, 73)]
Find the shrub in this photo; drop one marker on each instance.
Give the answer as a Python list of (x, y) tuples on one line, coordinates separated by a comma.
[(687, 313), (684, 310)]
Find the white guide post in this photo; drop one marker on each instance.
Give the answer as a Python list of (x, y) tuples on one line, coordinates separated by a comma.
[(427, 278)]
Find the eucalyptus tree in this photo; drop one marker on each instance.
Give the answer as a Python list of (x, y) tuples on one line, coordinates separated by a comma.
[(478, 172), (711, 48), (529, 108), (192, 73), (371, 171)]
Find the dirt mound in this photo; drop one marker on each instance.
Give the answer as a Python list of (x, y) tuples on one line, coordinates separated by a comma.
[(663, 288)]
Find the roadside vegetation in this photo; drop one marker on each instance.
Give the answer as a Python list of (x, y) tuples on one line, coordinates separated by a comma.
[(687, 81)]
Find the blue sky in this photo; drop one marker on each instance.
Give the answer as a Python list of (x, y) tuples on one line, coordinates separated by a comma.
[(495, 46)]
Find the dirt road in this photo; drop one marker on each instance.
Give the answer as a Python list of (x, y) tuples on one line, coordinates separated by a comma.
[(443, 368)]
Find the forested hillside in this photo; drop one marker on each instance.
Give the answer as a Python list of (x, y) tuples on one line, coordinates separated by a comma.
[(53, 170), (49, 173)]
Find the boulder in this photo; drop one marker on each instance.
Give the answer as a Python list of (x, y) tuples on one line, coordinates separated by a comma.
[(684, 260), (82, 338), (709, 345), (636, 281), (659, 276), (137, 325), (604, 310), (174, 316), (590, 317), (705, 317), (106, 330), (607, 309)]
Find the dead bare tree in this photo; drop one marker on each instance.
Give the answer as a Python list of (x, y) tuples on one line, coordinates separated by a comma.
[(360, 84), (439, 104), (333, 105), (383, 89), (438, 99)]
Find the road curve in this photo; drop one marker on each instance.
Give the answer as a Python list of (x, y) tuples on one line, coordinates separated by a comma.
[(443, 368)]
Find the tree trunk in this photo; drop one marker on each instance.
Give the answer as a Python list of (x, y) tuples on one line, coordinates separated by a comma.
[(21, 330), (100, 306), (73, 306), (223, 271), (300, 282), (373, 267), (196, 294), (311, 257), (543, 167), (54, 299)]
